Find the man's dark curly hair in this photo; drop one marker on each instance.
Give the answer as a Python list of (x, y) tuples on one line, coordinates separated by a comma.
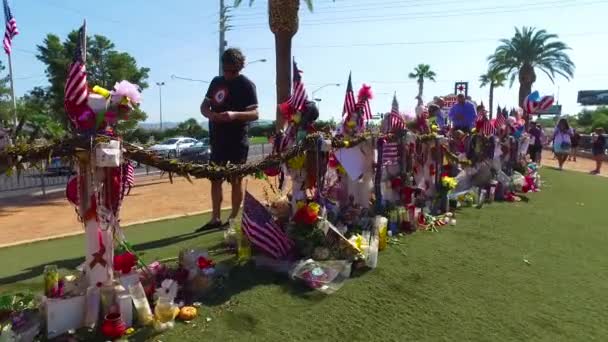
[(234, 57)]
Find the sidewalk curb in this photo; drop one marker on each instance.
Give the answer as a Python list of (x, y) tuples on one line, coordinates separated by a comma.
[(126, 225)]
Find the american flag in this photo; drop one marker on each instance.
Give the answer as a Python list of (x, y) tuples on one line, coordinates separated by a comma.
[(396, 122), (76, 88), (11, 28), (299, 96), (487, 128), (262, 231), (500, 120), (365, 108), (349, 99), (390, 150)]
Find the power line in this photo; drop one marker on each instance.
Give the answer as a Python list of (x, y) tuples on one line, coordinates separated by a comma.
[(468, 12), (427, 42), (401, 4)]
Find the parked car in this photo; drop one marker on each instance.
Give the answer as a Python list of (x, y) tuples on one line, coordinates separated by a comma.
[(171, 148), (197, 153)]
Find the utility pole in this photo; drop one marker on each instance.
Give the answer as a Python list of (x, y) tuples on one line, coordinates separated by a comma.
[(160, 102), (224, 17)]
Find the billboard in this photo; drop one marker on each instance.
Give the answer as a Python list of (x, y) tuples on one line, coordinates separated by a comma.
[(593, 97)]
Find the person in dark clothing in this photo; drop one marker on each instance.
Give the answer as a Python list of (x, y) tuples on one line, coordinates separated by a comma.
[(230, 104), (576, 138), (536, 144), (598, 150)]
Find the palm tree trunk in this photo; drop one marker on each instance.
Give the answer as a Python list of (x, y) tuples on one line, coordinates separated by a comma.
[(527, 77), (420, 87), (491, 99), (282, 41)]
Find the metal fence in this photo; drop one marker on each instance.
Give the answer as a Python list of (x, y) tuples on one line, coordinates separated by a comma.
[(59, 174)]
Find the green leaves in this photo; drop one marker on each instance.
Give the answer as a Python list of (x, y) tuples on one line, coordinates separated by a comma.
[(536, 48)]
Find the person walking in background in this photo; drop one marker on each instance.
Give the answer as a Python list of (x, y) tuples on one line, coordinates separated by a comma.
[(128, 175), (562, 142), (230, 104), (536, 143), (598, 149), (576, 138)]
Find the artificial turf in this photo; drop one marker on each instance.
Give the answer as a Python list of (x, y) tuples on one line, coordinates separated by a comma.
[(534, 270)]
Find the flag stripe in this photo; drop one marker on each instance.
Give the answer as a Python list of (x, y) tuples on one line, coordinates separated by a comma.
[(349, 99), (299, 95), (262, 231), (11, 29), (76, 87)]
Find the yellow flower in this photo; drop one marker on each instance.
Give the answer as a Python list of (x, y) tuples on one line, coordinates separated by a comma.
[(297, 118), (449, 183), (346, 143), (300, 205), (351, 123), (297, 163), (341, 170), (315, 207)]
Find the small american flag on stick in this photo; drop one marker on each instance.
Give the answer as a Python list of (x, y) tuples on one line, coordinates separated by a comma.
[(390, 150), (262, 231), (10, 30), (299, 96), (76, 88), (349, 99), (500, 120)]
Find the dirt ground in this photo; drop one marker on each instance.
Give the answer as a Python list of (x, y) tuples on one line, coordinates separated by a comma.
[(29, 218)]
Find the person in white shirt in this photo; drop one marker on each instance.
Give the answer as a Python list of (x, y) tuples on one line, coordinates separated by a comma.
[(562, 142)]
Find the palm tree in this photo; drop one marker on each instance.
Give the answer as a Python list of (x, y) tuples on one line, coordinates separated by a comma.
[(422, 72), (284, 23), (495, 78), (530, 50)]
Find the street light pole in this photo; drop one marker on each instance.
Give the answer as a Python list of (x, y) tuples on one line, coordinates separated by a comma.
[(262, 60), (160, 101), (324, 86)]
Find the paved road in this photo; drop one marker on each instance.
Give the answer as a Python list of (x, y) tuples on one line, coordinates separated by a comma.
[(30, 182)]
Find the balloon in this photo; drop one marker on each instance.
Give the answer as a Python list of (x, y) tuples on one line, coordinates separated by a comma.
[(534, 103), (546, 102), (97, 103)]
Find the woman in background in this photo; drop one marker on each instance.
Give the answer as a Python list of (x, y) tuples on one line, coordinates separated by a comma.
[(562, 142), (576, 138), (598, 149)]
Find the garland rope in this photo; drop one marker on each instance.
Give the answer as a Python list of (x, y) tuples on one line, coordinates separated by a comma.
[(17, 155)]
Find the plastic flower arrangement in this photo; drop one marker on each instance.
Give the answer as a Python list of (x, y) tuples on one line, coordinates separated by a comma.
[(307, 213), (297, 163), (448, 183)]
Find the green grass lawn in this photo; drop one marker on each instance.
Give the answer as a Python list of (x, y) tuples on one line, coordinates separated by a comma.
[(258, 140), (468, 282)]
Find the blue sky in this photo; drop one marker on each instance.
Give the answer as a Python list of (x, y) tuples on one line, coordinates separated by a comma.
[(381, 41)]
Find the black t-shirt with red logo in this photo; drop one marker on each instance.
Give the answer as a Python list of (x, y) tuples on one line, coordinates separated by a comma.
[(237, 95)]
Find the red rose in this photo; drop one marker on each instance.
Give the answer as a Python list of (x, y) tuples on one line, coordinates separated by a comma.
[(396, 183), (306, 215), (125, 262), (333, 161), (272, 171), (204, 263)]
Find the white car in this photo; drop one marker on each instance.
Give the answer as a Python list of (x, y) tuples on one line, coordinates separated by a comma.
[(171, 148)]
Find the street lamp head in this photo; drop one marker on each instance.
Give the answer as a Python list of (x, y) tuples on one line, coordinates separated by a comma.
[(318, 99), (160, 84)]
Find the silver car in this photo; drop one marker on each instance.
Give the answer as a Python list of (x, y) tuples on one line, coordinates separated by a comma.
[(171, 148)]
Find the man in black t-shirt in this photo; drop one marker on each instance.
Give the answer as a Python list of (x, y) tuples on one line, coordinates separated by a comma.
[(230, 104)]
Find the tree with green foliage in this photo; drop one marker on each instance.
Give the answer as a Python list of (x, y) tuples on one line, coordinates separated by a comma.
[(105, 67), (495, 79), (422, 72), (6, 107), (34, 113), (284, 23), (530, 50)]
